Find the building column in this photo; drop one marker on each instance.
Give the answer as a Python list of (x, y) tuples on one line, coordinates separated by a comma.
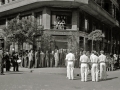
[(84, 43), (6, 23), (75, 20), (111, 44), (33, 16), (46, 18), (0, 2), (115, 13)]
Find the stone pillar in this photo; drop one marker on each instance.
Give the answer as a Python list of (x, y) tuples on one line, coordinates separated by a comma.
[(111, 43), (84, 43), (0, 2), (33, 16), (75, 20), (6, 23), (46, 18), (115, 13)]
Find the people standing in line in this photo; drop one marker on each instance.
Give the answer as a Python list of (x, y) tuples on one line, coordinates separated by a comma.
[(51, 58), (36, 59), (6, 57), (30, 56), (84, 66), (60, 57), (112, 62), (102, 61), (47, 58), (42, 58), (115, 57), (14, 62), (26, 60), (70, 57), (77, 56), (95, 69), (1, 62), (56, 56), (89, 64), (108, 62), (64, 56)]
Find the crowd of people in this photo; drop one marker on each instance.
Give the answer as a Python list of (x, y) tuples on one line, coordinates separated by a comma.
[(43, 59), (94, 62)]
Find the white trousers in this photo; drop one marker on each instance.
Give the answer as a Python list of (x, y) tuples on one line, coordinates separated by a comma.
[(103, 74), (94, 72), (70, 70), (84, 72), (56, 62)]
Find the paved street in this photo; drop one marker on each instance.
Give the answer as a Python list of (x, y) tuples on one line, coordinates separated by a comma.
[(54, 79)]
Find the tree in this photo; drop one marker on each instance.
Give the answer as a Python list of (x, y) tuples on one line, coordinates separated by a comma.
[(73, 43), (20, 30), (95, 36)]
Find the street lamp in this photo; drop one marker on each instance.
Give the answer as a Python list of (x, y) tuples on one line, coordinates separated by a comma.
[(103, 36)]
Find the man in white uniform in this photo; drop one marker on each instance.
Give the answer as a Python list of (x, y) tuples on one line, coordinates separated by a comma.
[(70, 57), (84, 66), (102, 60), (94, 71)]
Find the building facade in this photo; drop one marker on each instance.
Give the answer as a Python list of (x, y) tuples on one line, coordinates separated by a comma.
[(64, 18)]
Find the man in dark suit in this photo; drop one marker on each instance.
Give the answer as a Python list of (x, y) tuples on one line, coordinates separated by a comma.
[(14, 61), (1, 62), (6, 57)]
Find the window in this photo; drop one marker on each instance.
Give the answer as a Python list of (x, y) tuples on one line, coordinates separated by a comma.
[(61, 20), (81, 41), (86, 25), (39, 18), (93, 26), (27, 17)]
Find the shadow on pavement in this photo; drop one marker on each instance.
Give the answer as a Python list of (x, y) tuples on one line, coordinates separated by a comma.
[(111, 78), (14, 72)]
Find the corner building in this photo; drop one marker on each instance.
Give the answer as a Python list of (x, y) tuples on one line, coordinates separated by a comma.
[(64, 18)]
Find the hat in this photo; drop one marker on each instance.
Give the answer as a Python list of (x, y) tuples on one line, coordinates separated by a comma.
[(101, 51)]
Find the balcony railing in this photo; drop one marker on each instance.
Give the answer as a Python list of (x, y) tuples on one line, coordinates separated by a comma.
[(62, 27)]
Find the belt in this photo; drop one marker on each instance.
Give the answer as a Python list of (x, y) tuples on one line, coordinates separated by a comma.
[(94, 62), (70, 60), (84, 62), (102, 62)]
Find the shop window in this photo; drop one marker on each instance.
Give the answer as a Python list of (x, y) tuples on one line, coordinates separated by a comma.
[(82, 22), (93, 27), (81, 41), (61, 20), (39, 18)]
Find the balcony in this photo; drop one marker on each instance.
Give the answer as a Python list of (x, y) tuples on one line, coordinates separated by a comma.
[(23, 5), (87, 5)]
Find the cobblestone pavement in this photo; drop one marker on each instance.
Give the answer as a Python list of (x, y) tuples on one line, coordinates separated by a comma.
[(54, 79)]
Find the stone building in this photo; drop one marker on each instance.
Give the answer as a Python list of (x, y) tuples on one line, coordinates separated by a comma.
[(64, 18)]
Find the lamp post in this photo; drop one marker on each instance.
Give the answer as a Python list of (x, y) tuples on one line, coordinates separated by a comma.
[(12, 38), (103, 36), (14, 41)]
